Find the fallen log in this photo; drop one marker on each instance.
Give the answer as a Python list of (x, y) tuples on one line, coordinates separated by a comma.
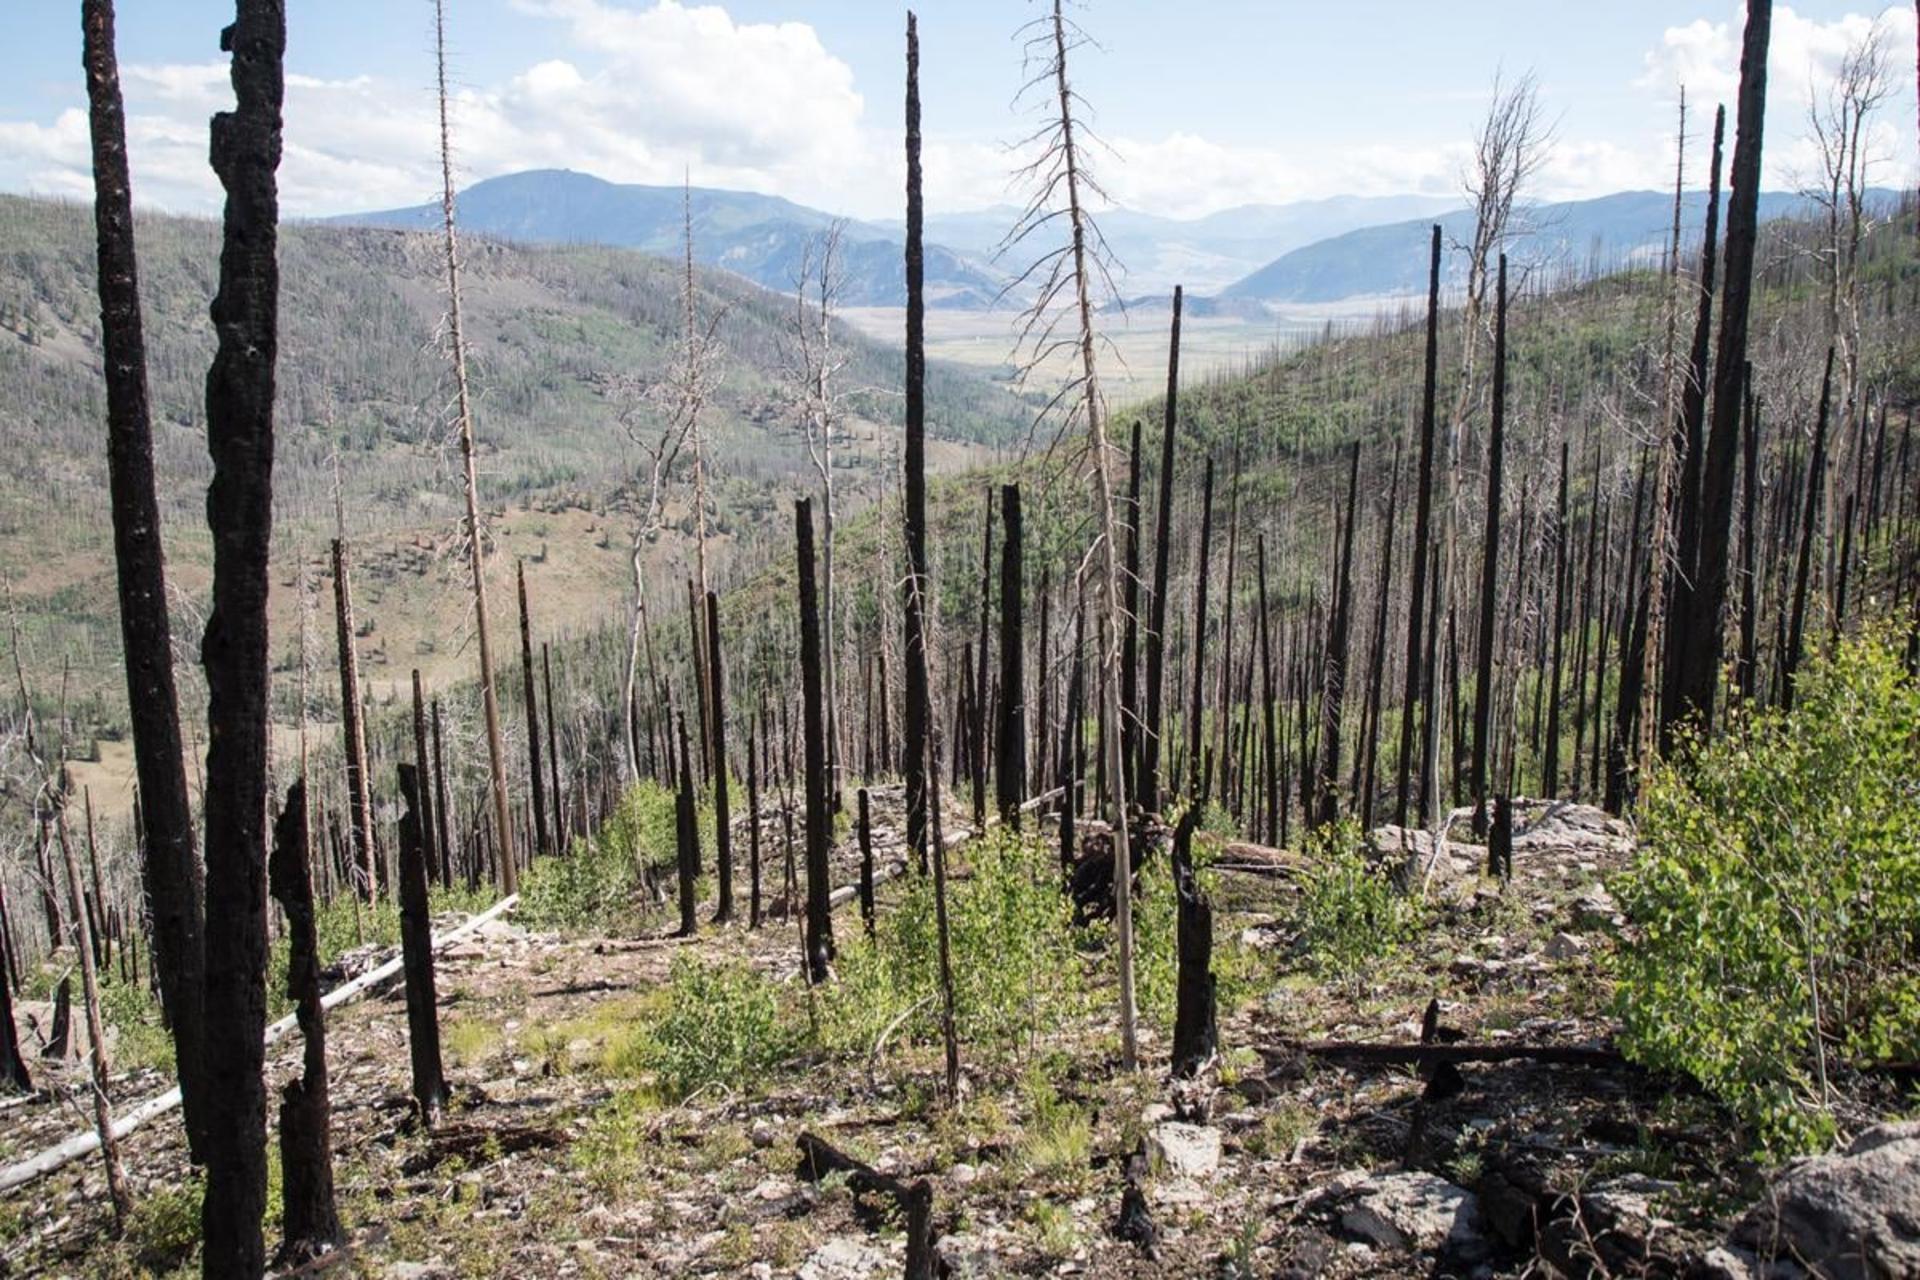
[(1427, 1054), (85, 1143), (818, 1159)]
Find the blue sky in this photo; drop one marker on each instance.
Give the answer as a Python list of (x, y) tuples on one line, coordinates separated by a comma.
[(1207, 104)]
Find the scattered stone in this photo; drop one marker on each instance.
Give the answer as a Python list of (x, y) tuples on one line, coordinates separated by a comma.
[(1414, 1211), (1853, 1215), (1184, 1150), (1566, 946), (763, 1134), (963, 1175), (966, 1256), (845, 1259)]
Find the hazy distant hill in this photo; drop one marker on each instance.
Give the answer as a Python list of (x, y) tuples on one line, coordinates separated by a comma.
[(1388, 260), (757, 236)]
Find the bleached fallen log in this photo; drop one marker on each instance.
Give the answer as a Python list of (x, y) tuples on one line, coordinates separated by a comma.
[(86, 1143)]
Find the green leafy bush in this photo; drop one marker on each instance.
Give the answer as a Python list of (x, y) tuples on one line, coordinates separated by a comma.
[(1016, 971), (595, 883), (1776, 898), (1350, 914), (720, 1024)]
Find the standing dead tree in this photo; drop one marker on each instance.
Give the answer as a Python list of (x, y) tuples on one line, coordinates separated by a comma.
[(476, 541), (170, 869), (353, 727), (1059, 322), (819, 925), (722, 812), (416, 948), (310, 1225), (245, 152), (1010, 743), (96, 1030)]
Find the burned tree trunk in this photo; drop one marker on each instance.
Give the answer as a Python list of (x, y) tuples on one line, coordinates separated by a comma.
[(977, 720), (819, 908), (686, 830), (533, 715), (1809, 528), (1195, 1033), (753, 826), (416, 951), (1333, 688), (866, 863), (1706, 632), (422, 763), (245, 153), (310, 1223), (1377, 659), (1550, 769), (170, 870), (352, 728), (1422, 528), (553, 754), (918, 711), (1147, 788), (441, 810), (1130, 636), (1196, 795), (1490, 560), (722, 815), (1010, 746)]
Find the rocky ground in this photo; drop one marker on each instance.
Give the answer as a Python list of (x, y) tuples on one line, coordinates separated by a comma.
[(1282, 1161)]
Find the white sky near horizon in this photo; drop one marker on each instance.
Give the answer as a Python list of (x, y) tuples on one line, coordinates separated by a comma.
[(1204, 105)]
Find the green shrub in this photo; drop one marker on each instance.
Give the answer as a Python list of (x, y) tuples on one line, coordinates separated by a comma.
[(720, 1023), (595, 884), (1776, 898), (1016, 971), (1349, 915)]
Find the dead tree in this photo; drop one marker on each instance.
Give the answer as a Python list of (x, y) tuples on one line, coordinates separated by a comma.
[(1809, 530), (1062, 186), (1550, 768), (1490, 561), (1130, 597), (475, 535), (819, 928), (1371, 714), (866, 863), (977, 719), (1195, 1032), (442, 811), (96, 1031), (170, 868), (686, 829), (722, 815), (353, 728), (553, 754), (1010, 746), (1148, 786), (753, 827), (1706, 635), (1269, 740), (540, 841), (1196, 709), (1333, 686), (1422, 529), (245, 152), (310, 1222), (416, 950), (423, 765)]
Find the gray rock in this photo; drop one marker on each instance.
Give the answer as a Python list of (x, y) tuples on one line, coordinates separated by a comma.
[(1415, 1211), (846, 1259), (967, 1257), (1184, 1150), (1566, 946), (1852, 1215)]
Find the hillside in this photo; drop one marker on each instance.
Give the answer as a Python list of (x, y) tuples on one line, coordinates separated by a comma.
[(1583, 235), (564, 340), (762, 238)]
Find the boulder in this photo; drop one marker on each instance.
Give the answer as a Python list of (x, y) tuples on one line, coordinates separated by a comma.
[(846, 1259), (1184, 1150), (1415, 1211), (1852, 1215)]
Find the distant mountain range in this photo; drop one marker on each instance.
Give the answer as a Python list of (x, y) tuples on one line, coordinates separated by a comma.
[(1391, 260), (1251, 260)]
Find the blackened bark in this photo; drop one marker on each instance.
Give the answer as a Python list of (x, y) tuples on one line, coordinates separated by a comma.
[(1147, 789), (1809, 529), (416, 952), (532, 700), (310, 1222), (1747, 670), (866, 863), (422, 762), (1333, 685), (1490, 560), (1377, 661), (240, 391), (441, 810), (13, 1067), (1422, 527), (1550, 770), (919, 708), (686, 830), (1130, 633), (170, 869), (1196, 707), (722, 813), (1270, 747), (553, 754), (977, 720), (1705, 633), (1195, 1032), (819, 940), (353, 727), (753, 825), (1010, 746)]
